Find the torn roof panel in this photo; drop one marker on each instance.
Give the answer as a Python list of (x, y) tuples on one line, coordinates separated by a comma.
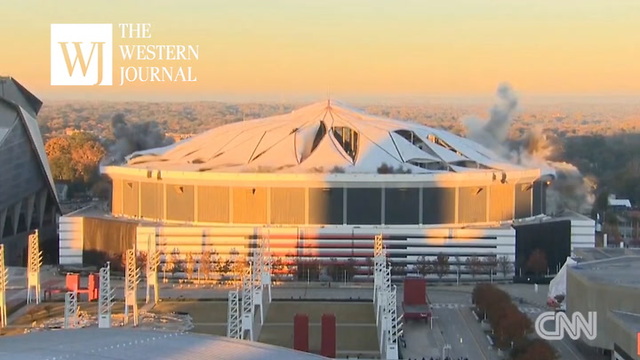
[(294, 142)]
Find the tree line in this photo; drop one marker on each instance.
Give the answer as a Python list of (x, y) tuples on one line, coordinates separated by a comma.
[(511, 329)]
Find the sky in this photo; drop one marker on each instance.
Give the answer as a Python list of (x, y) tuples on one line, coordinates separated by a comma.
[(282, 50)]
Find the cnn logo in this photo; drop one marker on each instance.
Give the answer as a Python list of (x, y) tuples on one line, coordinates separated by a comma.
[(574, 326)]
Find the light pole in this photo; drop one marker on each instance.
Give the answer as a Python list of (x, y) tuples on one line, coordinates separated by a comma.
[(457, 276), (431, 319)]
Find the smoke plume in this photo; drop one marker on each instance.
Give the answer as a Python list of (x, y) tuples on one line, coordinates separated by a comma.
[(570, 190), (130, 138), (493, 133)]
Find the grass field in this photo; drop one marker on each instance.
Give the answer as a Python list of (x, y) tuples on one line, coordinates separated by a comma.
[(209, 317), (346, 312), (356, 329)]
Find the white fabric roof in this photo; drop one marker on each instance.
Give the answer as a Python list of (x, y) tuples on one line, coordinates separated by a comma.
[(138, 344), (558, 285), (307, 140)]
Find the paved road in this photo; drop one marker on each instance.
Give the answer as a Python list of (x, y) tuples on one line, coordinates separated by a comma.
[(452, 304), (422, 341), (453, 321), (464, 334), (525, 309)]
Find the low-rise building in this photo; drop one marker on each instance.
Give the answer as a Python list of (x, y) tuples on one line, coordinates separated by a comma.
[(609, 286)]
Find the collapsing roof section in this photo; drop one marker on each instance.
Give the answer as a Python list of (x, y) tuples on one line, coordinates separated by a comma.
[(325, 137)]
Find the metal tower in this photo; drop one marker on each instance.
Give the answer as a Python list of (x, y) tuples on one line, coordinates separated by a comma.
[(70, 310), (153, 260), (391, 341), (33, 268), (105, 302), (233, 316), (4, 281), (380, 270), (265, 266), (132, 278), (378, 265), (383, 303), (247, 304), (256, 286)]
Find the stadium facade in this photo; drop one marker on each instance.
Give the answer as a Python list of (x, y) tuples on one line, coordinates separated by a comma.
[(321, 182), (28, 199)]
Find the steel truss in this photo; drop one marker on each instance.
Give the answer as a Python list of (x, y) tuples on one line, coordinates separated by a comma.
[(385, 303), (34, 262), (247, 304), (234, 330), (153, 261), (4, 282), (105, 301), (132, 278), (70, 310)]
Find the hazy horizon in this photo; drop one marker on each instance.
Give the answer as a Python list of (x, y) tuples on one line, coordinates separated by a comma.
[(287, 50), (391, 99)]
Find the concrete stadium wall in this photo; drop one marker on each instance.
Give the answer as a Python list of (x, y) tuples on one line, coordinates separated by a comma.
[(364, 204), (584, 295), (404, 245), (94, 240), (71, 240)]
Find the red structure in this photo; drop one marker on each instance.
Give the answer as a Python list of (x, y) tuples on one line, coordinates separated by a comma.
[(416, 304), (72, 283), (93, 287), (301, 332), (328, 341)]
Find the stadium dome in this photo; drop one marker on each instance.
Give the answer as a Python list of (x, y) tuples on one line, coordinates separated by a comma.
[(325, 164), (133, 344), (325, 137)]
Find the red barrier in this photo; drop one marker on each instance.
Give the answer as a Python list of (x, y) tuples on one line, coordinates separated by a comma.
[(93, 286), (301, 332), (72, 282), (328, 342)]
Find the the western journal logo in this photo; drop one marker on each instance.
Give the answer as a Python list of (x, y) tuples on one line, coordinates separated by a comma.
[(81, 54)]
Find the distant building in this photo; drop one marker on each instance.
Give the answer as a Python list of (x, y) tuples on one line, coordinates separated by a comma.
[(618, 204), (28, 199)]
